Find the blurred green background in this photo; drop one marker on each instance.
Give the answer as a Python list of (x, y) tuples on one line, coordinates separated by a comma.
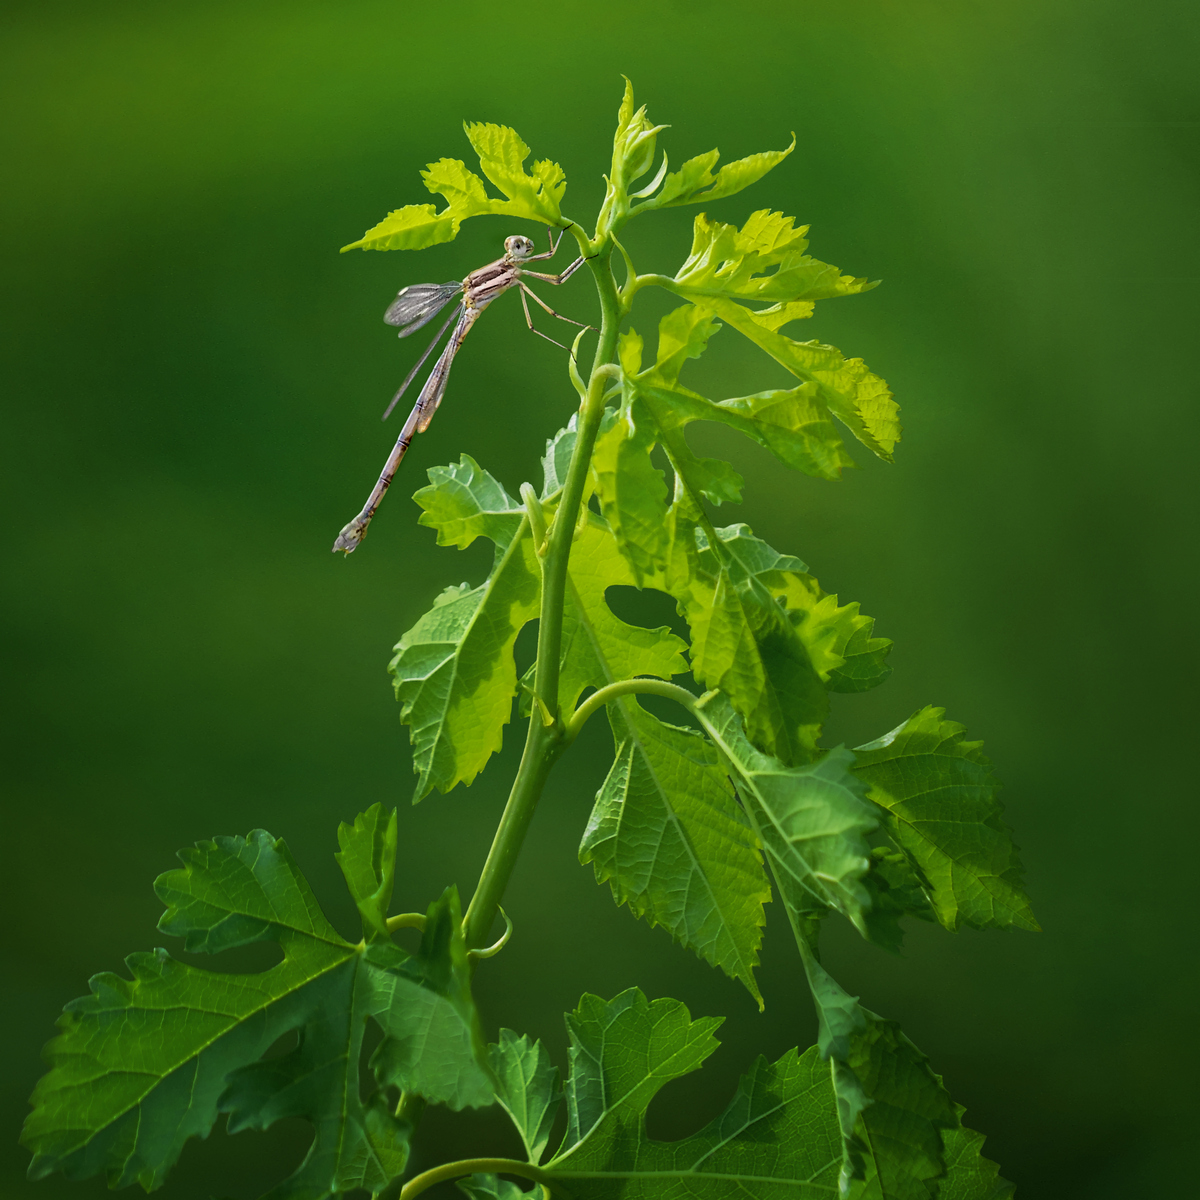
[(193, 378)]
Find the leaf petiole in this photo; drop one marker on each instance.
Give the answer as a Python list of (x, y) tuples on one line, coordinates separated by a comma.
[(626, 687)]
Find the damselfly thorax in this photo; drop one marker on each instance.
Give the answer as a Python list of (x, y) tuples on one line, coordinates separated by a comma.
[(415, 307)]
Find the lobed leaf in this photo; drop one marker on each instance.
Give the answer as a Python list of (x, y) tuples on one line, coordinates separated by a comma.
[(777, 1137), (667, 835), (368, 862), (413, 227), (812, 820), (453, 670), (143, 1064), (694, 182), (535, 196), (939, 796)]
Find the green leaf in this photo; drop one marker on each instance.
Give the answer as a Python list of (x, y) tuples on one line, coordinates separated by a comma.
[(557, 459), (939, 796), (844, 386), (970, 1176), (669, 838), (694, 182), (454, 672), (812, 820), (777, 1137), (433, 1044), (530, 196), (143, 1064), (368, 861), (743, 640), (527, 1088), (896, 892), (764, 261), (632, 492), (413, 227), (599, 648), (633, 147), (502, 154), (490, 1187), (892, 1108)]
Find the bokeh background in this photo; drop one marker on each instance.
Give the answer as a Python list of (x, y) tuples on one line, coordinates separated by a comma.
[(193, 378)]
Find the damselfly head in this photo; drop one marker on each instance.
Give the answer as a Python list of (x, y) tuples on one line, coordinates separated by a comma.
[(518, 247)]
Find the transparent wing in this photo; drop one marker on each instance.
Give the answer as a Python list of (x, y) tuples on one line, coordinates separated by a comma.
[(418, 304)]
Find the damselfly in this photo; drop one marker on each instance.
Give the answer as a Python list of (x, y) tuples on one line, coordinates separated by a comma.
[(415, 307)]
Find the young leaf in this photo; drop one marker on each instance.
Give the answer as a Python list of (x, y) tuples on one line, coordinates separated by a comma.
[(764, 261), (490, 1187), (939, 795), (502, 155), (413, 227), (812, 820), (141, 1065), (453, 670), (669, 838), (368, 861), (844, 386), (777, 1137), (892, 1108), (527, 1088)]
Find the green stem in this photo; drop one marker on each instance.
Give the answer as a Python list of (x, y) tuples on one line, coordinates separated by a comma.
[(626, 687), (477, 1166), (544, 741)]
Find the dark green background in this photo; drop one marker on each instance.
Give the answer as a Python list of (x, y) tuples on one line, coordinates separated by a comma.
[(193, 381)]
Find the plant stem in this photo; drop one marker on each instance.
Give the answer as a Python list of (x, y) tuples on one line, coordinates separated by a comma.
[(544, 741), (625, 687), (473, 1166)]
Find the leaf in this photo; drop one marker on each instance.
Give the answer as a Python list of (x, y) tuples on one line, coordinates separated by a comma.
[(764, 261), (812, 820), (559, 449), (502, 155), (694, 182), (844, 386), (892, 1108), (970, 1176), (527, 1088), (939, 795), (533, 197), (433, 1045), (368, 861), (413, 227), (598, 648), (454, 672), (743, 641), (490, 1187), (669, 838), (778, 1136), (143, 1064), (633, 148)]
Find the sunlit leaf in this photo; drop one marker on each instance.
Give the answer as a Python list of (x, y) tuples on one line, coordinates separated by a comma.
[(413, 227), (143, 1064), (502, 154), (454, 672), (669, 838), (694, 182), (939, 796)]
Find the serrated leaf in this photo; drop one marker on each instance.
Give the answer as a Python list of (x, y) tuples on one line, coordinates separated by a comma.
[(764, 261), (812, 820), (891, 1107), (778, 1136), (939, 796), (970, 1176), (694, 182), (143, 1064), (896, 892), (844, 386), (454, 672), (368, 861), (527, 1088), (413, 227), (598, 648), (668, 837), (502, 154), (557, 459), (433, 1044)]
